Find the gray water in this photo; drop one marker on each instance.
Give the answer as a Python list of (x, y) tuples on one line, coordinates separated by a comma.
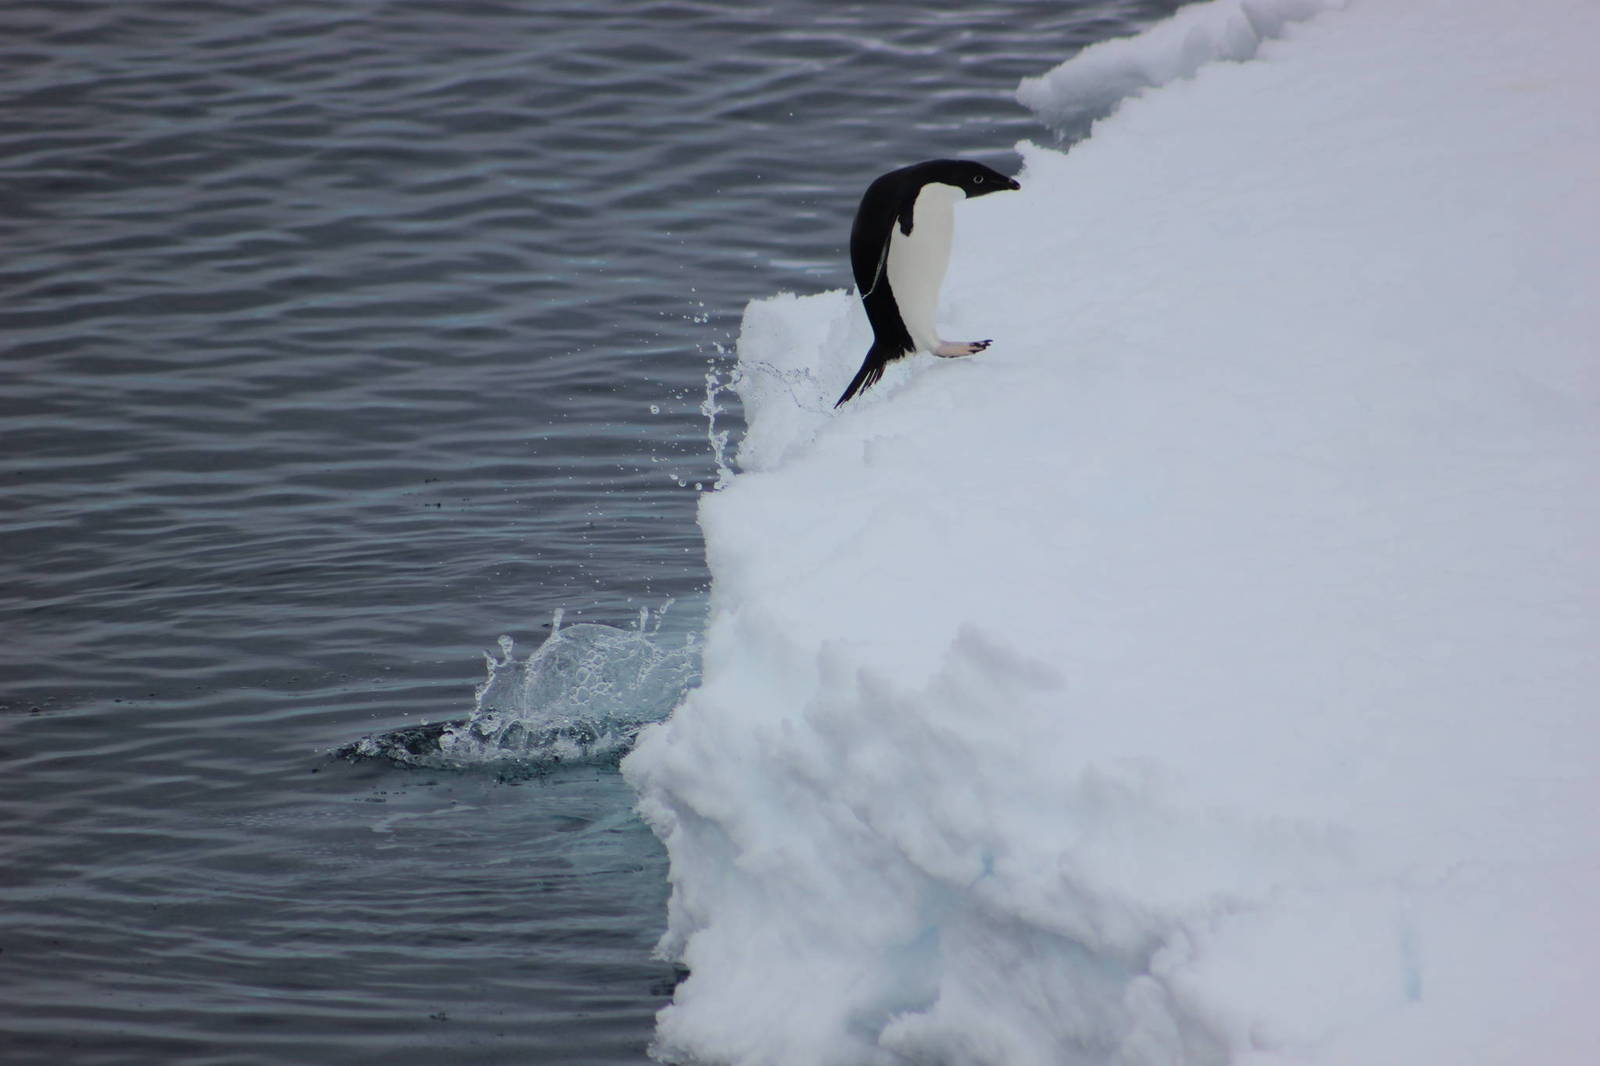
[(339, 338)]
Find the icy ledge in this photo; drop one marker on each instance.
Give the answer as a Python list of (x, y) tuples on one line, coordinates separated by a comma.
[(1092, 82), (1205, 674)]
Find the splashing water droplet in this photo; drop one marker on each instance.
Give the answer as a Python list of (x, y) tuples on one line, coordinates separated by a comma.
[(581, 697)]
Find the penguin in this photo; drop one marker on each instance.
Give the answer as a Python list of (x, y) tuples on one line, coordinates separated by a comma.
[(899, 248)]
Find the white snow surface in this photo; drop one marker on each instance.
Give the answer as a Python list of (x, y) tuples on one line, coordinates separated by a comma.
[(1207, 673), (1101, 75)]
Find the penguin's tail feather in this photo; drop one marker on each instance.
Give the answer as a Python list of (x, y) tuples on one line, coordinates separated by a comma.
[(871, 370)]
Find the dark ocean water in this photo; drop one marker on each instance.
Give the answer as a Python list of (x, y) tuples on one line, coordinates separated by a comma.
[(340, 337)]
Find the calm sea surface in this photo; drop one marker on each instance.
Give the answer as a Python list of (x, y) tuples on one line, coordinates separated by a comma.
[(339, 338)]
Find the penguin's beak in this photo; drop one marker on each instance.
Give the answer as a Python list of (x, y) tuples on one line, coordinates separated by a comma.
[(1013, 183)]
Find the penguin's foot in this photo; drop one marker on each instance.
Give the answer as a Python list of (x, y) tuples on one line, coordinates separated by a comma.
[(956, 349)]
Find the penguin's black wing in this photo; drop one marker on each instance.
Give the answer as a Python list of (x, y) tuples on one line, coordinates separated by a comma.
[(888, 203)]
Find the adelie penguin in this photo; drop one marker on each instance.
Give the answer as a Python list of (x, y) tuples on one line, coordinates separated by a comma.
[(899, 248)]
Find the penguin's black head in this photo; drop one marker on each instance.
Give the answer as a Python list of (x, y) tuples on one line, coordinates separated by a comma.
[(972, 178)]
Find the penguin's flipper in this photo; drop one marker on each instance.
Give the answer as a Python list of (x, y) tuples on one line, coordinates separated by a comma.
[(869, 255), (887, 203)]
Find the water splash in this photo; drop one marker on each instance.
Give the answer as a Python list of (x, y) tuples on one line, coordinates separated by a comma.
[(711, 407), (581, 697)]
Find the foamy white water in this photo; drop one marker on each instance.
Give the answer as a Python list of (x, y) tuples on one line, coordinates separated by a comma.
[(1206, 673)]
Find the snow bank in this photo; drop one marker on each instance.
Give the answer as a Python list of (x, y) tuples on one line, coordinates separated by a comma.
[(1207, 672), (1092, 82)]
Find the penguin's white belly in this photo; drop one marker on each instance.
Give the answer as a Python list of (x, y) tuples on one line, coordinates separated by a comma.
[(917, 262)]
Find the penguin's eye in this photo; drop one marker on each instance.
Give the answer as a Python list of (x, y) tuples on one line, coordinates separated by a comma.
[(977, 179)]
